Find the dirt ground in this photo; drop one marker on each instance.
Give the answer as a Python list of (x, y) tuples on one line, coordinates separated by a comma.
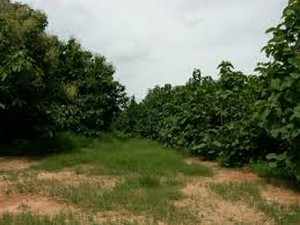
[(198, 198)]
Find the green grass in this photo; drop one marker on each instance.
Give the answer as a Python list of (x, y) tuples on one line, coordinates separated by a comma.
[(147, 195), (30, 219), (27, 218), (236, 191), (150, 178), (59, 161), (144, 195), (112, 155), (276, 176), (263, 169), (251, 193)]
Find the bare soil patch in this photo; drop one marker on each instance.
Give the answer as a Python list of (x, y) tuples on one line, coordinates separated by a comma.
[(276, 192), (40, 205), (5, 185), (280, 195), (212, 209), (15, 164), (122, 216), (236, 175), (198, 198), (71, 178), (210, 164)]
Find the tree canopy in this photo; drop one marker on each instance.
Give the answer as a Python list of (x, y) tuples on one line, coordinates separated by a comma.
[(47, 85), (237, 118)]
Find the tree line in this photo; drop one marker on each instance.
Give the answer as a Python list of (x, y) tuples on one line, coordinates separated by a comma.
[(237, 118)]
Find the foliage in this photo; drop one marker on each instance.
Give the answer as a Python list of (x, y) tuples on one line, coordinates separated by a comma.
[(203, 115), (236, 119), (93, 97), (25, 62), (47, 85), (279, 103)]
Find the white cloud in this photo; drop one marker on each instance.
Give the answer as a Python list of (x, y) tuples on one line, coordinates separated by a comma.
[(157, 42)]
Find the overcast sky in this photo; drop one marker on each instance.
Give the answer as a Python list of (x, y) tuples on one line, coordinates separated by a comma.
[(161, 41)]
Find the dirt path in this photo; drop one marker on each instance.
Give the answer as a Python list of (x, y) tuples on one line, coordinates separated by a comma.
[(213, 209), (198, 198)]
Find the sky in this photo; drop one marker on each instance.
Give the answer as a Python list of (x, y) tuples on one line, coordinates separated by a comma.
[(153, 42)]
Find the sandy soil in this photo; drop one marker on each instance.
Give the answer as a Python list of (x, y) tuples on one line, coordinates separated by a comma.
[(198, 198)]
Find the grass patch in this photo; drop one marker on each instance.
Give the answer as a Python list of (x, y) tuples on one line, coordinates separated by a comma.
[(251, 193), (114, 155), (12, 176), (263, 169), (30, 219), (146, 195), (236, 191), (149, 181), (149, 196), (276, 176), (59, 161)]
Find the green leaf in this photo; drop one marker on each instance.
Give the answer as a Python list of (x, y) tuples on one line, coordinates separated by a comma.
[(281, 157), (271, 156), (275, 133), (289, 12), (295, 75), (277, 157), (217, 143), (296, 112), (270, 30), (200, 146), (3, 76), (273, 164), (276, 84)]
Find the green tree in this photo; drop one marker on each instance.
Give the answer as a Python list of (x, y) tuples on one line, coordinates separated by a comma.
[(279, 105), (47, 85), (27, 57)]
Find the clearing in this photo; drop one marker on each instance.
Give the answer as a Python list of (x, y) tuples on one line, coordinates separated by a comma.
[(133, 181)]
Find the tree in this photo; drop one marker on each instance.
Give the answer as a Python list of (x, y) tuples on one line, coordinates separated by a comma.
[(279, 105), (27, 57), (46, 85)]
